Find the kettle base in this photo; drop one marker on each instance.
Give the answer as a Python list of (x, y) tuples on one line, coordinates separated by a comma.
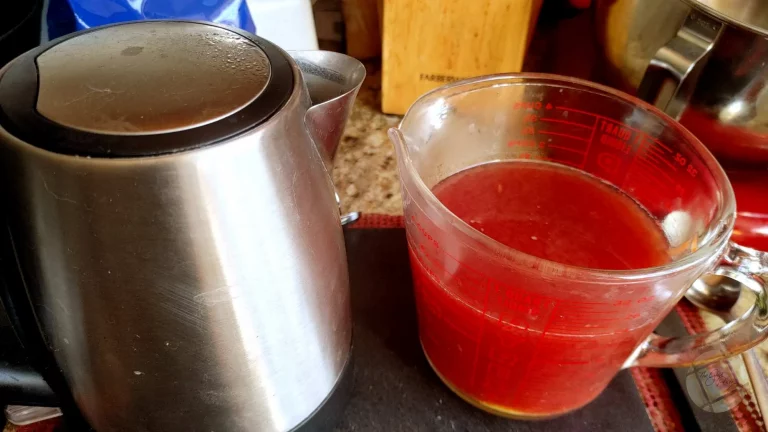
[(327, 415)]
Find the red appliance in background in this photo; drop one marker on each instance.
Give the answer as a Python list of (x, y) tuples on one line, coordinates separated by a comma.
[(704, 62), (744, 155), (751, 189)]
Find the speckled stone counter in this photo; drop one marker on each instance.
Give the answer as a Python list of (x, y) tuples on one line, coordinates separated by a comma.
[(365, 167)]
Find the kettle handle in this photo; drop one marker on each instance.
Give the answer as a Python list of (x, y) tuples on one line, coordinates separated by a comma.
[(20, 383), (674, 70), (28, 372)]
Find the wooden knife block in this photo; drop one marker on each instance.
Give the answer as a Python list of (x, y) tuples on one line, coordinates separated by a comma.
[(427, 44)]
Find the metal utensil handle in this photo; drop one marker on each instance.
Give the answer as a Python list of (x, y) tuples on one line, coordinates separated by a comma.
[(757, 379), (750, 268), (672, 74), (349, 218)]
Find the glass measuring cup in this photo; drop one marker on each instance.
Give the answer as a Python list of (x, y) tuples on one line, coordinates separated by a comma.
[(524, 337)]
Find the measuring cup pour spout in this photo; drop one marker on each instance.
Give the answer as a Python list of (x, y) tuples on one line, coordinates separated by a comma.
[(333, 80), (397, 138)]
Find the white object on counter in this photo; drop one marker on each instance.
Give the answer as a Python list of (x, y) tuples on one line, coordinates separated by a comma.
[(23, 415), (287, 23)]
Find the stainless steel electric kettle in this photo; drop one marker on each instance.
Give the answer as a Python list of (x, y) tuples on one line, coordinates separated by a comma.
[(173, 236)]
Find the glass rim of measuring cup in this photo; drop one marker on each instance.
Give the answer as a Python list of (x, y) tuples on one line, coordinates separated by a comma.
[(718, 231)]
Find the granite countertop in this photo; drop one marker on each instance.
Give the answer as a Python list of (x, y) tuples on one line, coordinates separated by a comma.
[(365, 167)]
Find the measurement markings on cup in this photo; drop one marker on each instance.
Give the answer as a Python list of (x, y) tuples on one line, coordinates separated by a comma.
[(651, 160)]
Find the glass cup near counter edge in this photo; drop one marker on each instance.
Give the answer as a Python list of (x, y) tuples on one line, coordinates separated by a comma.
[(615, 138)]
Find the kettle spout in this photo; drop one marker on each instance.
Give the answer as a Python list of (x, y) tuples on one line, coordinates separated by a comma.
[(333, 80)]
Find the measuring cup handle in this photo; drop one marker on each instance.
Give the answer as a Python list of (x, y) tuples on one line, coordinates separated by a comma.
[(750, 268), (672, 74)]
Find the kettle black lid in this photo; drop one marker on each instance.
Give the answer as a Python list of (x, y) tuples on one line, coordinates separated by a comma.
[(143, 88)]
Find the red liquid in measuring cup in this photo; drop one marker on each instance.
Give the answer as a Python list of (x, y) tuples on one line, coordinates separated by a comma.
[(499, 343)]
